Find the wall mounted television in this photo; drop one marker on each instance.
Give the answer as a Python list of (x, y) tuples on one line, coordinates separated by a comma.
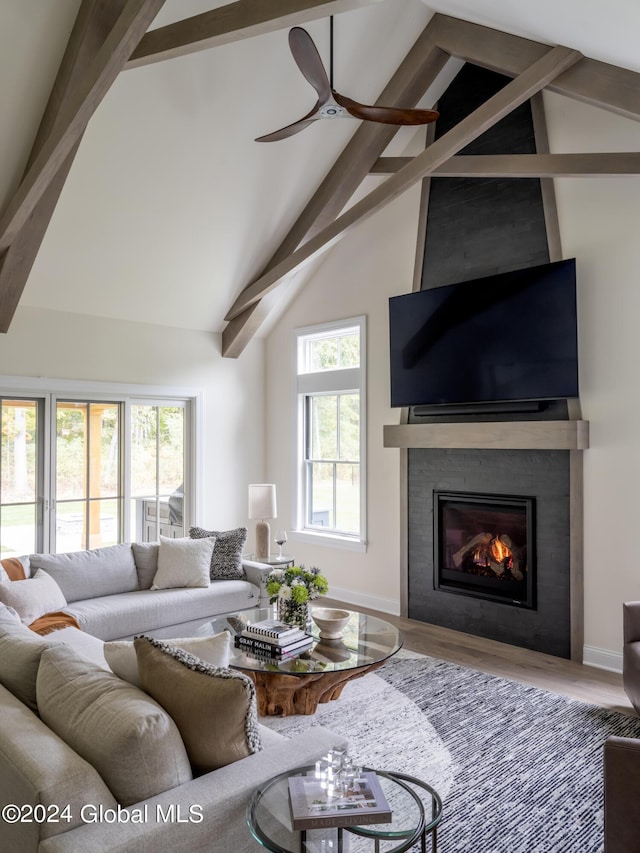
[(506, 337)]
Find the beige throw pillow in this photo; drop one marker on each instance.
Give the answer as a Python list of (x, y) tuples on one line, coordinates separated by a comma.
[(183, 563), (121, 654), (129, 739), (214, 708), (33, 597)]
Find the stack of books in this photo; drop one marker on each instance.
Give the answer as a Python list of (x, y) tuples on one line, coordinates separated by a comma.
[(272, 638)]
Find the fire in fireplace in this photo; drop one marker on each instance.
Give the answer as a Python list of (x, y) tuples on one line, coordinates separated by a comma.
[(484, 546)]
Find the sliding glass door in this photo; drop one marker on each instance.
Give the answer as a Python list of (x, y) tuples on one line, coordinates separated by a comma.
[(21, 476), (88, 475), (70, 466), (158, 452)]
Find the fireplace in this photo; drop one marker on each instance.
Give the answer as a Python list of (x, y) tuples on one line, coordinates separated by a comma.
[(484, 546)]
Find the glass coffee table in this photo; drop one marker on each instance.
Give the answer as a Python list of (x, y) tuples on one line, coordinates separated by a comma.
[(269, 819), (298, 683)]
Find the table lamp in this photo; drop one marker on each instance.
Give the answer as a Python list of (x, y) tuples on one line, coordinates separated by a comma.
[(262, 505)]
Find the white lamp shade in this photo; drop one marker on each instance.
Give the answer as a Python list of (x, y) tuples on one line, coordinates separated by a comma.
[(262, 500)]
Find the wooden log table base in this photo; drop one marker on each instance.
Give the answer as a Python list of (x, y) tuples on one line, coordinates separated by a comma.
[(280, 695)]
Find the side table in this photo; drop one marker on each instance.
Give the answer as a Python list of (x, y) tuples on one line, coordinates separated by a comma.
[(273, 560), (269, 820)]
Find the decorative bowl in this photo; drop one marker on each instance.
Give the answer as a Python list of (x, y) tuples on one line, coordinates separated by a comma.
[(330, 622)]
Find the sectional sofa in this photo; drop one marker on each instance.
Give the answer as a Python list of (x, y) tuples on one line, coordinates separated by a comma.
[(108, 592), (73, 733)]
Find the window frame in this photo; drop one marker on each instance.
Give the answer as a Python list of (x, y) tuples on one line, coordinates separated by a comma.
[(308, 384), (52, 391)]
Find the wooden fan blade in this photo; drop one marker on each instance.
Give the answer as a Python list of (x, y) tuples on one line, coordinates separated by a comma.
[(308, 61), (386, 115), (290, 129)]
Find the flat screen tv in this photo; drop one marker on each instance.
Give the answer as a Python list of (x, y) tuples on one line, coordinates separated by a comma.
[(505, 337)]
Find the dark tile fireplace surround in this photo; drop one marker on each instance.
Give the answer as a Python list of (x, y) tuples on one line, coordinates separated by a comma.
[(539, 480), (492, 527), (472, 227)]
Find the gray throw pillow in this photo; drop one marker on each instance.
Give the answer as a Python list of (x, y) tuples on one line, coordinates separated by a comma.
[(226, 562), (145, 555)]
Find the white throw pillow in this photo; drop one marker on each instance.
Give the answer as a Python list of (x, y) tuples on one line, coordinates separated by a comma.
[(183, 563), (121, 654), (33, 597)]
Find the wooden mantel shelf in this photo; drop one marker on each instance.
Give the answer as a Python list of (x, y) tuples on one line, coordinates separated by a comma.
[(503, 435)]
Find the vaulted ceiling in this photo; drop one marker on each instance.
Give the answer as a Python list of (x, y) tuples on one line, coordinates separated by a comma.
[(164, 210)]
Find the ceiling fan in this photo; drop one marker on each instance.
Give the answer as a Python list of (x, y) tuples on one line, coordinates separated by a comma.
[(332, 104)]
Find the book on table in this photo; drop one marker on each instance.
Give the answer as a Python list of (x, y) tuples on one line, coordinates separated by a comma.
[(273, 630), (312, 807), (267, 647)]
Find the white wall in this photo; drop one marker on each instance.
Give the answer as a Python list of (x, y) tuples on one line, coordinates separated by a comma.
[(371, 263), (600, 226), (59, 345)]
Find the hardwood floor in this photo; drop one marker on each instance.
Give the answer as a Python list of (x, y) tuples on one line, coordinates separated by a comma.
[(584, 683)]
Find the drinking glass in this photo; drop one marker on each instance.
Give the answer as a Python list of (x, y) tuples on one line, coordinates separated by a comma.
[(281, 538)]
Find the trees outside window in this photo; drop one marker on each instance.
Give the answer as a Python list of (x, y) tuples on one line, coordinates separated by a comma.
[(331, 394), (69, 467)]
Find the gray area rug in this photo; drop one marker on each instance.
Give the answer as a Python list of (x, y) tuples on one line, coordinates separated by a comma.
[(519, 769)]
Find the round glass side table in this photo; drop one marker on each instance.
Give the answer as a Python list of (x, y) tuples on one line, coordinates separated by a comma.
[(269, 819)]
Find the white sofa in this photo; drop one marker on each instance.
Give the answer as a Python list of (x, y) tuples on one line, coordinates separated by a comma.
[(107, 591), (40, 768)]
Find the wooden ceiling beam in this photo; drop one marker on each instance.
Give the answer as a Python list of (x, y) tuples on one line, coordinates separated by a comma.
[(589, 165), (87, 94), (93, 23), (535, 78), (233, 22), (414, 75), (598, 83)]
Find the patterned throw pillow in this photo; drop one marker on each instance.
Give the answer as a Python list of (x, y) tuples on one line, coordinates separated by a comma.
[(226, 563), (214, 708)]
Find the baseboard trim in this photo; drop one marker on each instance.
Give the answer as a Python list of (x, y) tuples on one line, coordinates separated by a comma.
[(602, 658), (359, 599)]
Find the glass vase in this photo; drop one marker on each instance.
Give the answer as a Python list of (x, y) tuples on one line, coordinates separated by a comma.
[(293, 613)]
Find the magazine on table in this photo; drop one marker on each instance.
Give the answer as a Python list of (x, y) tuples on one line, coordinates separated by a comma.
[(313, 808)]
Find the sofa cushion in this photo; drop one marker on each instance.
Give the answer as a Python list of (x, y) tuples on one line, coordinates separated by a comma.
[(121, 654), (214, 708), (226, 562), (39, 768), (90, 574), (20, 652), (113, 617), (33, 597), (183, 563), (145, 555), (130, 740)]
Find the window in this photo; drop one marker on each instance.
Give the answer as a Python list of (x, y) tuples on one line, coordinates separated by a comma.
[(331, 406), (88, 493), (157, 471), (70, 465), (21, 469)]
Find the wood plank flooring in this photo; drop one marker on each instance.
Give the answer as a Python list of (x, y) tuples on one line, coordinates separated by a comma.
[(575, 680)]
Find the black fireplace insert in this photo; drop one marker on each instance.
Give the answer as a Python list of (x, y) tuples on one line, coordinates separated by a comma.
[(484, 546)]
